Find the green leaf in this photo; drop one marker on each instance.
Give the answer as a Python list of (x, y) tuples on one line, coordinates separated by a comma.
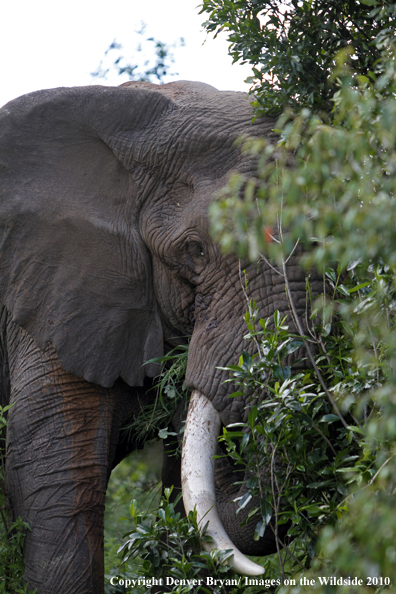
[(259, 530), (356, 429), (235, 395), (252, 417), (243, 501), (361, 286), (266, 511), (330, 418)]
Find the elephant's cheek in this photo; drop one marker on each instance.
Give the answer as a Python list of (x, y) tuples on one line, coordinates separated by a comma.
[(176, 301)]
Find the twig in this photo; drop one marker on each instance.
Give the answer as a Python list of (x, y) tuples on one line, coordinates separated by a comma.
[(293, 250), (372, 338), (270, 265), (373, 409), (378, 471), (284, 546), (249, 308), (276, 505), (324, 437), (323, 347), (309, 352), (308, 294), (368, 484)]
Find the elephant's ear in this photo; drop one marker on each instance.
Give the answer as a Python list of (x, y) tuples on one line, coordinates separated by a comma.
[(73, 268)]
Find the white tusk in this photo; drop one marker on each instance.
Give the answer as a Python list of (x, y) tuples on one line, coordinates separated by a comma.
[(198, 483)]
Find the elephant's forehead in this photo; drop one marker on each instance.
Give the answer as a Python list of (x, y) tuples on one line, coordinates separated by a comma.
[(196, 135)]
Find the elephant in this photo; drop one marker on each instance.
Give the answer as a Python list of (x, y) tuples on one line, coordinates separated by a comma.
[(105, 257)]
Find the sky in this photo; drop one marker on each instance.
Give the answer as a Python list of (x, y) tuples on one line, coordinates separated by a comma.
[(46, 44)]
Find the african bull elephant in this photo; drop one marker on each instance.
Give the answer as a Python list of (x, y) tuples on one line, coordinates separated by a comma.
[(105, 255)]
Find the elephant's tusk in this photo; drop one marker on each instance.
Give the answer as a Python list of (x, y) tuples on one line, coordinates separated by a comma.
[(198, 484)]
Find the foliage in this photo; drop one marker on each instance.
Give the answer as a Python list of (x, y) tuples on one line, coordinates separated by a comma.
[(139, 474), (170, 389), (136, 477), (339, 190), (162, 544), (310, 482), (291, 45), (153, 69), (12, 534), (170, 548), (329, 185)]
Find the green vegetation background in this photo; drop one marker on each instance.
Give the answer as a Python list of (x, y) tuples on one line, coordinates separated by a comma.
[(137, 477)]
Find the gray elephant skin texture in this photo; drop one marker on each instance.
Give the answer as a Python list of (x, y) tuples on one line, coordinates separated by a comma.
[(105, 256)]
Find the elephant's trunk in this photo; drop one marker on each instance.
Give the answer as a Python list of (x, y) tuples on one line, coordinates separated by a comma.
[(198, 483)]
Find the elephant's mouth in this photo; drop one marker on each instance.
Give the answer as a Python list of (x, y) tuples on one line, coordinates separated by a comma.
[(198, 481)]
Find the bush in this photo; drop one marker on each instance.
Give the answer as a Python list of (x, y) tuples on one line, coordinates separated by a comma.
[(12, 534), (330, 185), (291, 45)]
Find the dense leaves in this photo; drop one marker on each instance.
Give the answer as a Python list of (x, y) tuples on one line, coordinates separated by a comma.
[(330, 185), (170, 548), (173, 560), (340, 188), (292, 45), (313, 452)]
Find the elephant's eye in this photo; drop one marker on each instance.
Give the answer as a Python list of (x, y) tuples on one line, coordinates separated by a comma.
[(190, 259), (195, 249)]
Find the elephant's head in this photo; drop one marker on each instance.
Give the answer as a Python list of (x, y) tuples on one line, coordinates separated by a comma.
[(105, 246)]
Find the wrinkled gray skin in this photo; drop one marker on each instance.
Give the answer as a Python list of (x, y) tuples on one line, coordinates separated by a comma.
[(105, 254)]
